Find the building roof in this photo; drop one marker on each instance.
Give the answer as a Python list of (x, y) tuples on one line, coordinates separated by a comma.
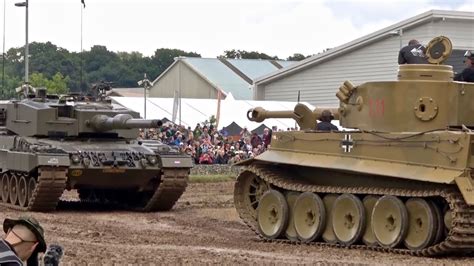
[(229, 75), (363, 41)]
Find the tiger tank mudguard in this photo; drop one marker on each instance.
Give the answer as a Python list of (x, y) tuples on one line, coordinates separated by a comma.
[(458, 239)]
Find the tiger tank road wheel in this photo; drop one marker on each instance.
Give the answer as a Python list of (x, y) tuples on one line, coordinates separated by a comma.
[(13, 189), (448, 219), (5, 188), (290, 232), (22, 191), (348, 219), (31, 187), (272, 214), (368, 237), (249, 188), (328, 234), (389, 221), (438, 221), (309, 216), (421, 224)]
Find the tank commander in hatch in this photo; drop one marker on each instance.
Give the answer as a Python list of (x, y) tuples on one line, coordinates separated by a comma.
[(413, 53), (23, 241), (325, 124), (467, 75)]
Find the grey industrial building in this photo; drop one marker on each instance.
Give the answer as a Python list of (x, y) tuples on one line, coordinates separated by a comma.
[(202, 78), (369, 58)]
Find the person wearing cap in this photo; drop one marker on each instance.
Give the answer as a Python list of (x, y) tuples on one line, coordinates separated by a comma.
[(23, 241), (413, 53), (325, 124), (467, 75)]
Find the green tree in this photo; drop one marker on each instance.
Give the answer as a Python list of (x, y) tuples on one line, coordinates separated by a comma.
[(164, 57), (242, 54), (56, 85), (296, 57)]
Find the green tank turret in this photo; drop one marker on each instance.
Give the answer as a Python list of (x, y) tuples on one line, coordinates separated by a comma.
[(103, 123), (401, 180), (49, 144)]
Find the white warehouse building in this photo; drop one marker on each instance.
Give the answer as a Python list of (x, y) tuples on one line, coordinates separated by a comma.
[(370, 58)]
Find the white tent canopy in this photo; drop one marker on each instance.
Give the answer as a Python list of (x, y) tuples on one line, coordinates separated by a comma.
[(195, 111)]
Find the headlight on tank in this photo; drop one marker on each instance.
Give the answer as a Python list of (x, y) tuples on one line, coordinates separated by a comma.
[(152, 160), (75, 158)]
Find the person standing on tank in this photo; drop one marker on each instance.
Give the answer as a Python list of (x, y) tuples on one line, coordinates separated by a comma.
[(413, 53), (325, 124), (467, 75)]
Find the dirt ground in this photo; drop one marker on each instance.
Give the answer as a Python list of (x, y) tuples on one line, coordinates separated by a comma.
[(203, 228)]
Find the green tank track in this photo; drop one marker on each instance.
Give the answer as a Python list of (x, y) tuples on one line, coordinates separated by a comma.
[(460, 238), (48, 190), (172, 185)]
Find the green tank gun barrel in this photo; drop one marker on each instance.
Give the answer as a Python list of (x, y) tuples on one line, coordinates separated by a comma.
[(305, 118), (121, 121)]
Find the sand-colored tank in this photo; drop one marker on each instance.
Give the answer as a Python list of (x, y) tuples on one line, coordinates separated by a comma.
[(398, 179)]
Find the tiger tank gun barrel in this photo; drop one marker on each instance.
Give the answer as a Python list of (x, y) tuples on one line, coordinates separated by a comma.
[(305, 118), (121, 121)]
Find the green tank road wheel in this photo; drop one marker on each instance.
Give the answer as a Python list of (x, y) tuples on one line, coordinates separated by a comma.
[(5, 187), (348, 219), (31, 188), (13, 189), (421, 224), (290, 232), (309, 216), (22, 192), (389, 221), (272, 214), (369, 202), (253, 189), (328, 234)]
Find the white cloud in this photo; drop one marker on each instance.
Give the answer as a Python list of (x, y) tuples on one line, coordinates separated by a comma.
[(274, 27)]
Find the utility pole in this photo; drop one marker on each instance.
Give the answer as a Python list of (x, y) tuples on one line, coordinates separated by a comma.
[(3, 53), (25, 4), (146, 85)]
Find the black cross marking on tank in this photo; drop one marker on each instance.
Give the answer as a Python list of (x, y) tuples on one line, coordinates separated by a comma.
[(347, 143)]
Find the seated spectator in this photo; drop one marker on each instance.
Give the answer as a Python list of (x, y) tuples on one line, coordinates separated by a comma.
[(206, 158), (255, 140), (266, 137)]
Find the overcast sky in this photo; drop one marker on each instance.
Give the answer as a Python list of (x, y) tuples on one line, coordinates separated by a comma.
[(209, 27)]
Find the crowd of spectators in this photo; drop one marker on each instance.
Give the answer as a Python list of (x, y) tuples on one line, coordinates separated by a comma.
[(206, 145)]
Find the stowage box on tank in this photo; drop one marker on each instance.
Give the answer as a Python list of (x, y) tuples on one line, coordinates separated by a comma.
[(49, 145), (400, 180)]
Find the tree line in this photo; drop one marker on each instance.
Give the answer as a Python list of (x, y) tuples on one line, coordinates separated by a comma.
[(61, 71)]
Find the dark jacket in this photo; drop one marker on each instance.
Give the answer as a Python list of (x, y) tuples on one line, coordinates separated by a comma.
[(7, 256), (466, 75), (412, 54), (325, 126)]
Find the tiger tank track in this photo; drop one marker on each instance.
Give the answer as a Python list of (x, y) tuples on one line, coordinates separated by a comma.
[(460, 238), (47, 191)]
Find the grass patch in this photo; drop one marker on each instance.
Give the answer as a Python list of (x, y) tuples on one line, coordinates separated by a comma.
[(210, 178)]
